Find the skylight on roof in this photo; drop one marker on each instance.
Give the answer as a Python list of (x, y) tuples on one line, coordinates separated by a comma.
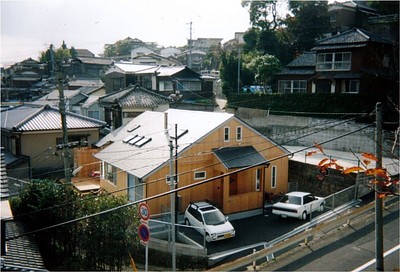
[(142, 142), (135, 139), (133, 128), (128, 138)]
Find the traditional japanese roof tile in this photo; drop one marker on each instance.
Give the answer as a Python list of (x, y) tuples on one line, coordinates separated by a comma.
[(135, 96), (351, 38), (30, 117)]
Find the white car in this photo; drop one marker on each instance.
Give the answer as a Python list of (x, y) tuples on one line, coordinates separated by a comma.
[(209, 221), (298, 205)]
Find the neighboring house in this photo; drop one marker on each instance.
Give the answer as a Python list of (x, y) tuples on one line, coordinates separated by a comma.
[(164, 80), (88, 67), (17, 254), (170, 51), (33, 134), (141, 50), (122, 74), (122, 106), (72, 99), (84, 53), (349, 14), (155, 59), (193, 58), (135, 160), (353, 62), (90, 107)]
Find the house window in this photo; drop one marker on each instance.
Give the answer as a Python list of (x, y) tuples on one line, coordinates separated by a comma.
[(110, 173), (200, 175), (238, 133), (258, 180), (94, 114), (334, 61), (292, 86), (166, 86), (386, 61), (117, 83), (188, 85), (227, 132), (351, 86), (135, 188), (273, 177), (332, 17)]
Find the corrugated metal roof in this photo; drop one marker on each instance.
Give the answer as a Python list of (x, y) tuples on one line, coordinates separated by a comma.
[(133, 68), (37, 118), (141, 161)]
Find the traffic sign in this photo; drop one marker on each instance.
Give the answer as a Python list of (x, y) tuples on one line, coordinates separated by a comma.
[(144, 211), (144, 233)]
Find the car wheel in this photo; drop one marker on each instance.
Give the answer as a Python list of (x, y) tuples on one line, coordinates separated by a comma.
[(187, 223), (321, 208), (208, 238), (304, 215)]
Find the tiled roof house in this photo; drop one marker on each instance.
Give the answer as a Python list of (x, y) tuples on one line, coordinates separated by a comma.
[(17, 254), (353, 62), (31, 133)]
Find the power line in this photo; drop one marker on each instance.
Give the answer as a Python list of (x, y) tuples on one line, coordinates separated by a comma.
[(181, 188)]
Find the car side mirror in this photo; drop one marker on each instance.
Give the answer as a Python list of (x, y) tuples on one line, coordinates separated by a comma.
[(227, 218)]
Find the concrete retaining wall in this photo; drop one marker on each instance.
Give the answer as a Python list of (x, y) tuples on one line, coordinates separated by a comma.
[(305, 131)]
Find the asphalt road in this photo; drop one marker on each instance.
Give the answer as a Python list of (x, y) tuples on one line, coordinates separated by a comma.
[(348, 248)]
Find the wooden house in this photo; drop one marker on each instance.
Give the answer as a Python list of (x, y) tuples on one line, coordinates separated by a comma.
[(221, 159)]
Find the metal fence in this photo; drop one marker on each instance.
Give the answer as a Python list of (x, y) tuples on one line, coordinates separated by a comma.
[(342, 197)]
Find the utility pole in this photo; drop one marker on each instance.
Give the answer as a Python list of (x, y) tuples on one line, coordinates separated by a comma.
[(176, 174), (172, 187), (190, 48), (378, 188), (67, 156), (238, 69)]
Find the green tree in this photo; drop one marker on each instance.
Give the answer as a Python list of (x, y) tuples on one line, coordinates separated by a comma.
[(263, 14), (60, 54), (97, 243), (264, 67), (309, 22), (120, 48)]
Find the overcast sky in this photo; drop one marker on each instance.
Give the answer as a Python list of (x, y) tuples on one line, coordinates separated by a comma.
[(30, 26)]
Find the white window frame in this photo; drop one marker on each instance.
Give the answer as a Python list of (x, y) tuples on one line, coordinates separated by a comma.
[(203, 175), (349, 84), (273, 176), (239, 133), (258, 180), (227, 134), (292, 86), (337, 61)]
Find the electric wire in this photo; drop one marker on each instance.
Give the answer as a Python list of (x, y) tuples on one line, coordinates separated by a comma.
[(180, 188)]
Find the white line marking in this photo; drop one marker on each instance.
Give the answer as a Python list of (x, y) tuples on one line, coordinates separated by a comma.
[(390, 251)]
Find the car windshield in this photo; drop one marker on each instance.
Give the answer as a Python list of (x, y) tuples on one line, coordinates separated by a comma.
[(214, 218), (291, 199)]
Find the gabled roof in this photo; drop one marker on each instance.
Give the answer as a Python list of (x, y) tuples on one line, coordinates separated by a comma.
[(30, 117), (129, 68), (84, 53), (141, 161), (351, 38), (135, 96)]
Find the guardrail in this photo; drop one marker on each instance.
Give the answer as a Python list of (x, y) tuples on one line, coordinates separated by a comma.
[(282, 244)]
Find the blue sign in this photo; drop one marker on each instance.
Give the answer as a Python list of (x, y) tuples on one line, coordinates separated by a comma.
[(144, 233)]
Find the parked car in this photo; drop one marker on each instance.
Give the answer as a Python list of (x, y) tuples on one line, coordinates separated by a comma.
[(209, 221), (298, 205)]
